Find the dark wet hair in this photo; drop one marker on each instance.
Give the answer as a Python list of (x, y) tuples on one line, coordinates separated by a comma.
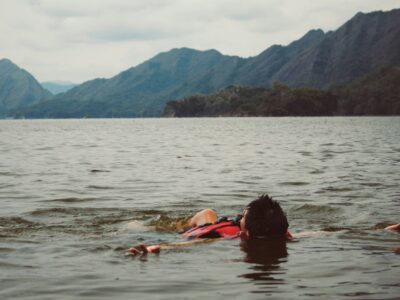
[(265, 218)]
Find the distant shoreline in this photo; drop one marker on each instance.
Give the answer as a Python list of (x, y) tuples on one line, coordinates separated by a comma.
[(224, 117)]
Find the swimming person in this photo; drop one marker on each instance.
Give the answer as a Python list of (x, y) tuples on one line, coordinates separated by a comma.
[(262, 218)]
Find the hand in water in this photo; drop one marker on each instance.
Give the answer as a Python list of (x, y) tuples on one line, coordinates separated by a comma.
[(395, 227), (143, 250)]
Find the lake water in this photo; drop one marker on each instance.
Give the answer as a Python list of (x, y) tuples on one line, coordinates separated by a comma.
[(75, 194)]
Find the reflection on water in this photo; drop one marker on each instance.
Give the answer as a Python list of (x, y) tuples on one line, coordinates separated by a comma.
[(265, 257)]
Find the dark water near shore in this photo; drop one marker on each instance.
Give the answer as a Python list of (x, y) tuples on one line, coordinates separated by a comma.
[(75, 193)]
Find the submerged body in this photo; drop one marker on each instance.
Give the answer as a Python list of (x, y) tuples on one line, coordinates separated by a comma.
[(262, 218)]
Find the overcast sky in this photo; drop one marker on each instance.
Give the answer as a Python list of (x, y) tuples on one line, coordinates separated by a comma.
[(78, 40)]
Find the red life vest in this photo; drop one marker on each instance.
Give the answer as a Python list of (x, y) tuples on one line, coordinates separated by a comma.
[(225, 229)]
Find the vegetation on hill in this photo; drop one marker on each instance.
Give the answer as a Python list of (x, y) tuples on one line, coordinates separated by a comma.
[(377, 94)]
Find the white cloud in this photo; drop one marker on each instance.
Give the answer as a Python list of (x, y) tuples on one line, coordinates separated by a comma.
[(76, 40)]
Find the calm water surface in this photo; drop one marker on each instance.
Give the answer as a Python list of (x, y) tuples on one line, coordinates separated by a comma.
[(75, 194)]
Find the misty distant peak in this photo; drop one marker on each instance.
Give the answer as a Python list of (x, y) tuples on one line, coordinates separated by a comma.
[(57, 86)]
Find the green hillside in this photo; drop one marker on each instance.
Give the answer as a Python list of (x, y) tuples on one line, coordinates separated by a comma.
[(18, 88), (377, 94)]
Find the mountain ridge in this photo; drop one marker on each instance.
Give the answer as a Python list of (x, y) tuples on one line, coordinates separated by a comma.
[(362, 45), (352, 51), (18, 88)]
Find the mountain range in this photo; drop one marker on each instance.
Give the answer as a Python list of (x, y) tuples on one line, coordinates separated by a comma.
[(364, 44)]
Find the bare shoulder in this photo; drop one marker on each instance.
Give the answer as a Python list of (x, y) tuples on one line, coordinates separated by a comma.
[(202, 217)]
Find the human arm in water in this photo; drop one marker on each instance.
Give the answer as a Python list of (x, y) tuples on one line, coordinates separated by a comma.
[(395, 227), (203, 217), (142, 249)]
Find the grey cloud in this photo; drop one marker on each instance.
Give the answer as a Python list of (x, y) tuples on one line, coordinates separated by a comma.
[(60, 9), (127, 34), (77, 40), (87, 8)]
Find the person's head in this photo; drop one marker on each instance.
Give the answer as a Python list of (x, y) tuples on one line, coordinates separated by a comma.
[(264, 217)]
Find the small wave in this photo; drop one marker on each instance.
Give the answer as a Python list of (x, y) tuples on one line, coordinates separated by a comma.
[(6, 250), (75, 221), (7, 174), (294, 183), (99, 171), (100, 248), (15, 221), (305, 153), (255, 177), (317, 172), (44, 148), (245, 182), (307, 209), (337, 151), (231, 195), (334, 189), (99, 187), (372, 184), (13, 226), (169, 224), (55, 211), (348, 203), (109, 220), (335, 228), (327, 155), (70, 200), (14, 266), (150, 212), (6, 185), (84, 212), (136, 225), (3, 235)]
